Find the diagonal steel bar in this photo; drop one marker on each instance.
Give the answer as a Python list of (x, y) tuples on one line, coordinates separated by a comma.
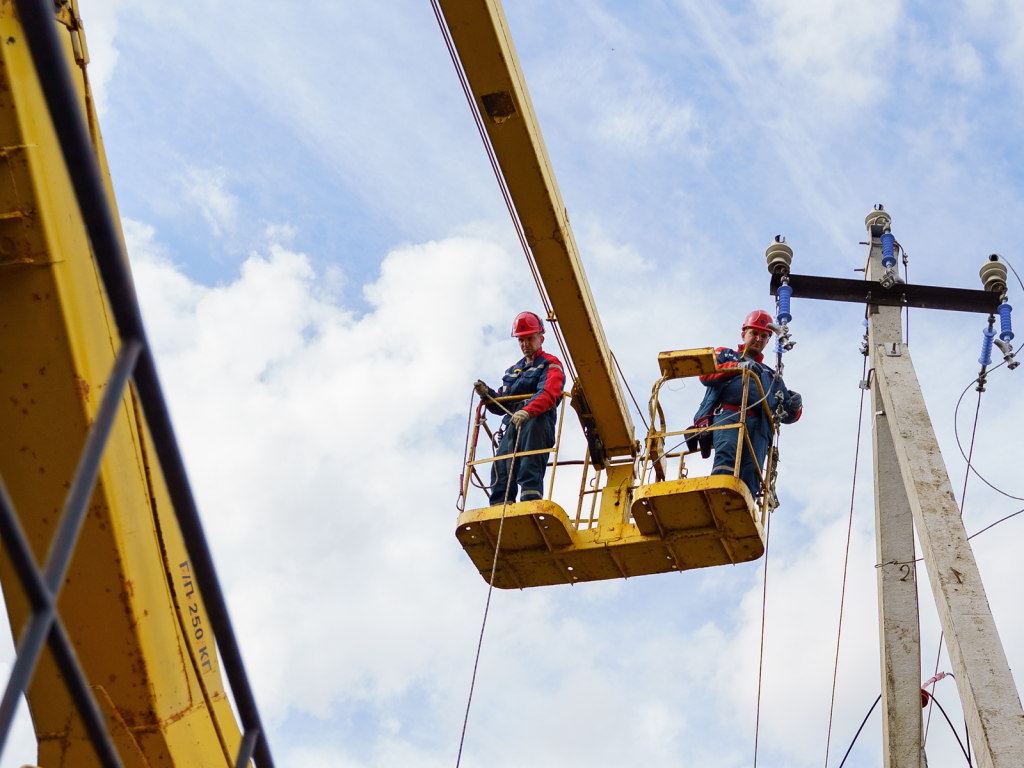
[(70, 126), (44, 589), (20, 552), (245, 749)]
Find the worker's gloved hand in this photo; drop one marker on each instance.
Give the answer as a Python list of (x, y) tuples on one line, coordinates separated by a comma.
[(520, 417), (796, 402), (481, 389)]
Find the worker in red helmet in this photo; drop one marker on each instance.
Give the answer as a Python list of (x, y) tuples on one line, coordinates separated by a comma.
[(540, 376), (725, 395)]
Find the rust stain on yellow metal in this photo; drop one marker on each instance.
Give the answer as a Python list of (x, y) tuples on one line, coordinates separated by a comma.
[(480, 33), (129, 604)]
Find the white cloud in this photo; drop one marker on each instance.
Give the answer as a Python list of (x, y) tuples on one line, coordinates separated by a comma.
[(840, 48), (205, 188), (100, 22)]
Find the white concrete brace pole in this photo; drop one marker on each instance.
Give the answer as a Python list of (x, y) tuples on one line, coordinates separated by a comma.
[(899, 625), (987, 691)]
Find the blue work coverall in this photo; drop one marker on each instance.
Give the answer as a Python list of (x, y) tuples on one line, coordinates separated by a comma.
[(721, 401), (543, 378)]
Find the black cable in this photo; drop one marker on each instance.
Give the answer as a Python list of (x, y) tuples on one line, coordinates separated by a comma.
[(860, 729), (997, 522), (956, 433), (966, 755), (967, 738)]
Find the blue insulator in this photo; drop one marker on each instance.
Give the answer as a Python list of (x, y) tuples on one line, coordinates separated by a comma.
[(986, 346), (1006, 331), (785, 291), (888, 257), (778, 347)]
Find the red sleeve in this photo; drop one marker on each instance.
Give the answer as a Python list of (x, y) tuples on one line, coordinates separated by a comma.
[(721, 366), (550, 388)]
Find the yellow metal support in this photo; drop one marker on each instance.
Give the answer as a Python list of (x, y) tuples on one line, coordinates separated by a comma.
[(481, 36), (129, 603)]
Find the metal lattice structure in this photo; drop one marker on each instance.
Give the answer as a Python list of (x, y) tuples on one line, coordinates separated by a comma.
[(134, 365)]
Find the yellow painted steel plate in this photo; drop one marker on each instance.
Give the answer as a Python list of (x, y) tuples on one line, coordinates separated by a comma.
[(678, 525), (684, 363)]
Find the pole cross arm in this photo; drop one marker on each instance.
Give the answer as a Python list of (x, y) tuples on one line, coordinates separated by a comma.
[(899, 295)]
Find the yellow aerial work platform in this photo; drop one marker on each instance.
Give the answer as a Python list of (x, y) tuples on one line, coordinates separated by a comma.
[(637, 527)]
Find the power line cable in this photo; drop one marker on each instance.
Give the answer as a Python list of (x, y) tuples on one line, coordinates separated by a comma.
[(956, 433), (962, 748), (863, 723)]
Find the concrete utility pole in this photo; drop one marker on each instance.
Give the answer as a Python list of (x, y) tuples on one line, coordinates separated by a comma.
[(898, 620), (911, 483), (987, 691)]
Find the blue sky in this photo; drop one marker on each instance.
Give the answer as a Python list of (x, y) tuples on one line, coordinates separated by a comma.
[(326, 265)]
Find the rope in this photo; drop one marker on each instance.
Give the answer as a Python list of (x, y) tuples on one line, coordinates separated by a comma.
[(764, 611), (567, 361), (487, 605), (846, 564), (639, 412)]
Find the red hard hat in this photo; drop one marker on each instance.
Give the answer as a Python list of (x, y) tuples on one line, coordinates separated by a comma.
[(526, 323), (758, 319)]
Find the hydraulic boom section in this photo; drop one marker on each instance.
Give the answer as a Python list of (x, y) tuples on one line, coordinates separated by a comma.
[(128, 599), (484, 45)]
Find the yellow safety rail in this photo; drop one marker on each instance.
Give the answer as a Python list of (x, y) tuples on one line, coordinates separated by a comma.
[(620, 529), (655, 458)]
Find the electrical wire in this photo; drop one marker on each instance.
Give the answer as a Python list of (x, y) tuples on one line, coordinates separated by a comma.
[(1014, 271), (997, 522), (846, 564), (956, 433), (962, 748), (863, 723)]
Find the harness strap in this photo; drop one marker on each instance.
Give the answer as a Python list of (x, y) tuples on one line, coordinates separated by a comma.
[(736, 408)]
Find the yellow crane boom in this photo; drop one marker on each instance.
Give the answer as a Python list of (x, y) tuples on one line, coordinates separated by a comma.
[(488, 56), (103, 553)]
